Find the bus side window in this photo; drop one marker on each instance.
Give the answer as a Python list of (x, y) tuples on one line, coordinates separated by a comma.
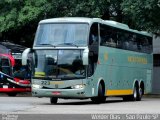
[(134, 43), (94, 34), (119, 41), (93, 41), (139, 44), (125, 40), (145, 45), (108, 36), (103, 35)]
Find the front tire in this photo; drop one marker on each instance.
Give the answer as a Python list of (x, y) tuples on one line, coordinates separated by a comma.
[(53, 100), (135, 94), (140, 94), (101, 95)]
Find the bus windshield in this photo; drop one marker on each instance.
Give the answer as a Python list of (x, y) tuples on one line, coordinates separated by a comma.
[(63, 34), (59, 64)]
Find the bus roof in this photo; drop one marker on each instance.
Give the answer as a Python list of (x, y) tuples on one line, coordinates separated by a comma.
[(68, 19), (92, 20)]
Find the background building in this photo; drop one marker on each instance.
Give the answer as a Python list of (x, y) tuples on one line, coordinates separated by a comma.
[(156, 65)]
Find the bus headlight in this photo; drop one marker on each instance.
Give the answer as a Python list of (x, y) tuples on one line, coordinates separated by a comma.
[(81, 86), (35, 86)]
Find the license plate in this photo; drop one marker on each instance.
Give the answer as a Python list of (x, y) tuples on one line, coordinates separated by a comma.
[(56, 93)]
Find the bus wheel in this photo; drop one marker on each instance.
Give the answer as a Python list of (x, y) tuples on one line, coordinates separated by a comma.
[(100, 98), (132, 97), (135, 94), (12, 94), (53, 100), (140, 93)]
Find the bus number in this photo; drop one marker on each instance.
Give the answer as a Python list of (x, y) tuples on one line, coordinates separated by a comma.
[(45, 82)]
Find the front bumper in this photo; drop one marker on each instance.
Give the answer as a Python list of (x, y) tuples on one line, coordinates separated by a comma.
[(60, 93)]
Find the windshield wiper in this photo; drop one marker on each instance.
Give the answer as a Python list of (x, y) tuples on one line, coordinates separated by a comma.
[(69, 44)]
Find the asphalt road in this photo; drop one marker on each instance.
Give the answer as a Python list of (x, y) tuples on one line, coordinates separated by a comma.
[(41, 107)]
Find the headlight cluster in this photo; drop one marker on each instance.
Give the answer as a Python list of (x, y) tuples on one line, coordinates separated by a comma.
[(81, 86), (35, 86)]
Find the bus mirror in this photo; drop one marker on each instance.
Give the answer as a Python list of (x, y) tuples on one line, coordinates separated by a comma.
[(85, 56), (25, 56)]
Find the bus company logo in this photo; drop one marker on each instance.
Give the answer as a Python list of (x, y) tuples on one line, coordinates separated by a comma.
[(9, 117), (140, 60), (105, 56)]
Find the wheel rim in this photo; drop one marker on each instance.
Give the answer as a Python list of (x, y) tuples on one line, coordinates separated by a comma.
[(140, 92), (100, 91), (135, 93)]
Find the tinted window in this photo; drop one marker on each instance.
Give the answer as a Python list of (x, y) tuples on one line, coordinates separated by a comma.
[(113, 37)]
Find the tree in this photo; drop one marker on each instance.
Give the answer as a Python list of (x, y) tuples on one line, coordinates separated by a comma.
[(19, 18), (144, 15)]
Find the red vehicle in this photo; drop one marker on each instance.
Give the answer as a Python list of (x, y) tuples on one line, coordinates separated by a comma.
[(14, 78)]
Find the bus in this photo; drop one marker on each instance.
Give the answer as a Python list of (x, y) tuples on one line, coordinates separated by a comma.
[(14, 78), (81, 58)]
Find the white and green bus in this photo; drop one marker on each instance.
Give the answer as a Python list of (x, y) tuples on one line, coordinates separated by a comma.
[(81, 58)]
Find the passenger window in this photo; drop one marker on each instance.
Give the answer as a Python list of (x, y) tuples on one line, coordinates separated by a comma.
[(122, 39), (108, 36)]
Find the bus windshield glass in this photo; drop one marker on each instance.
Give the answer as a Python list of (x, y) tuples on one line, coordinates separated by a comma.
[(59, 64), (65, 34)]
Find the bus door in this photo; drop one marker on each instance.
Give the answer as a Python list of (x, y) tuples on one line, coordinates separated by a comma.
[(93, 48)]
